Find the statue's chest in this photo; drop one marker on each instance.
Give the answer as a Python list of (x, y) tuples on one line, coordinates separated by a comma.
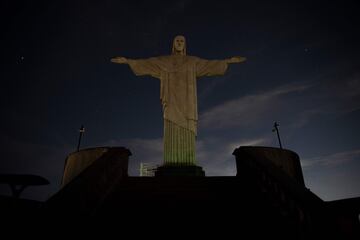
[(179, 66)]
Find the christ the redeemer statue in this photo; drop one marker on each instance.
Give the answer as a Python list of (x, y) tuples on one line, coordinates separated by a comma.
[(178, 73)]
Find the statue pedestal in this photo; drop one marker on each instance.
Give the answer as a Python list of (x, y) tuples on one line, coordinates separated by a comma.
[(179, 171)]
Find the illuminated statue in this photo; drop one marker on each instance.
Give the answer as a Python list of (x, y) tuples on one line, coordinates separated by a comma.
[(178, 73)]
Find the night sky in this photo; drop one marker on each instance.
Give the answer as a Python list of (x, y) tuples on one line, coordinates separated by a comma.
[(303, 70)]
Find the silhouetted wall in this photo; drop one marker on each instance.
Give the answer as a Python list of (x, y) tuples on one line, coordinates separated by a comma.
[(86, 189), (286, 160), (76, 162)]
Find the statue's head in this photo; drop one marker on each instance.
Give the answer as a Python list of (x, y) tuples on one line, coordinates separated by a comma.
[(179, 45)]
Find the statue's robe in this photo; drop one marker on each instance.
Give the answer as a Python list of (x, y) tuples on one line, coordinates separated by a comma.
[(178, 95)]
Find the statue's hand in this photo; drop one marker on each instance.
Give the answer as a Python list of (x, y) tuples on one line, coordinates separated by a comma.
[(121, 60), (237, 59)]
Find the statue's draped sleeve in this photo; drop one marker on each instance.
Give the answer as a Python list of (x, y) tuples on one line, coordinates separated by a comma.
[(141, 67), (210, 67)]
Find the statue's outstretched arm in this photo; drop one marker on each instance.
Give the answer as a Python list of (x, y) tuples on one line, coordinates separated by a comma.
[(120, 60), (140, 67), (236, 59)]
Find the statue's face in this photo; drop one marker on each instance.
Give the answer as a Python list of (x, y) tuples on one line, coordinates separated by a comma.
[(179, 43)]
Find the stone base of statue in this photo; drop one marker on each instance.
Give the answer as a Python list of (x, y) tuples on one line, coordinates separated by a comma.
[(179, 171)]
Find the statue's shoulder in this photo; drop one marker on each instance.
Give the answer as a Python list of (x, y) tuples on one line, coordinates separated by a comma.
[(192, 58), (187, 57), (171, 58), (164, 58)]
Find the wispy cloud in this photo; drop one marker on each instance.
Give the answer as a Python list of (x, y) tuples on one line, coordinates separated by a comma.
[(247, 110), (284, 103), (215, 154), (347, 94), (248, 142), (333, 176), (339, 92), (331, 159), (303, 117), (143, 151), (212, 84)]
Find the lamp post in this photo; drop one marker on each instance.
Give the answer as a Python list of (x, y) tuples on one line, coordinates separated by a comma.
[(81, 132), (276, 125)]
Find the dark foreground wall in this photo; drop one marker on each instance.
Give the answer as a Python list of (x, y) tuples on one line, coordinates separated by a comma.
[(272, 159), (264, 201), (89, 178)]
